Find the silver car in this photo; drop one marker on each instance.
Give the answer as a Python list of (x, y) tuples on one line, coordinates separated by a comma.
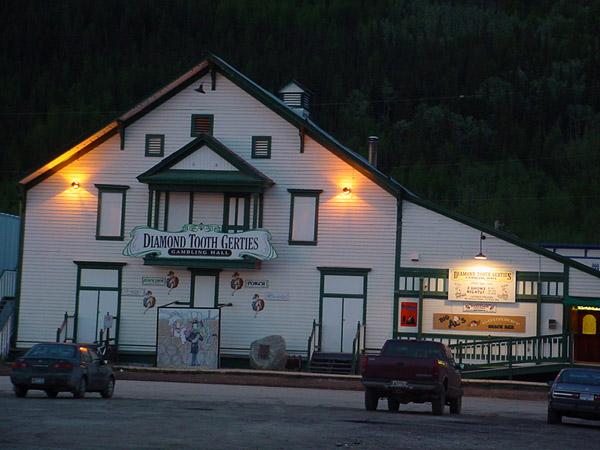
[(575, 393)]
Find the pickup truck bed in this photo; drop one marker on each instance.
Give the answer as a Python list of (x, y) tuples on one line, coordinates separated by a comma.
[(412, 371)]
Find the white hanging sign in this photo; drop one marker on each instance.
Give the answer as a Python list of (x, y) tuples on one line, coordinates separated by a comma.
[(200, 241), (472, 285)]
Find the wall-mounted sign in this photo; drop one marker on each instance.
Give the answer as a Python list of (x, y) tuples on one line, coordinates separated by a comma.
[(277, 296), (408, 314), (153, 281), (257, 284), (481, 307), (470, 285), (478, 322), (132, 292), (200, 241)]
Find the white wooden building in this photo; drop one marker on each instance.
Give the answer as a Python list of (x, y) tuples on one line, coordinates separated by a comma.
[(343, 244)]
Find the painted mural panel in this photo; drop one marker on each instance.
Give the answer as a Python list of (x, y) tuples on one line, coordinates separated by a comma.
[(188, 337)]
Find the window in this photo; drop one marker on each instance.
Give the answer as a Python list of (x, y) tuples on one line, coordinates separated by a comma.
[(202, 124), (435, 282), (550, 285), (111, 212), (155, 145), (261, 147), (236, 214), (304, 216)]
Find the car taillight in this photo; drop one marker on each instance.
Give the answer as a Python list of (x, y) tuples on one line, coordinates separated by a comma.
[(597, 397), (62, 365), (364, 362), (564, 394), (19, 365)]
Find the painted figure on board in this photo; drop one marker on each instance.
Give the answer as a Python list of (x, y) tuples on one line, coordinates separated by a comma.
[(149, 301)]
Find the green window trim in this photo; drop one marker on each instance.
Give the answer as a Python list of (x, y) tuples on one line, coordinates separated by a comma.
[(261, 147), (110, 188), (154, 142), (206, 272), (315, 193), (196, 121), (245, 226), (409, 282), (548, 286)]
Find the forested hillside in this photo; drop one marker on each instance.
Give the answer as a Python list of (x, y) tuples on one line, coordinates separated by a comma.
[(489, 108)]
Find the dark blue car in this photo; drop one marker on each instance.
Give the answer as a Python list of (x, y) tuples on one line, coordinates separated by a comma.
[(575, 393), (55, 368)]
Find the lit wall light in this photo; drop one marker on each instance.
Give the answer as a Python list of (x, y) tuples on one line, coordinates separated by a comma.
[(480, 255), (75, 184), (347, 191)]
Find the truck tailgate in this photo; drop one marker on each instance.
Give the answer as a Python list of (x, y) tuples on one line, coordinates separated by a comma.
[(394, 368)]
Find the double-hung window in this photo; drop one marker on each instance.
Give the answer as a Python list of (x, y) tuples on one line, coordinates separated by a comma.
[(237, 213), (110, 224), (304, 216)]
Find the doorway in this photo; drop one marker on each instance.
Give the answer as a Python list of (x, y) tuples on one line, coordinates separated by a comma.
[(205, 289), (586, 324)]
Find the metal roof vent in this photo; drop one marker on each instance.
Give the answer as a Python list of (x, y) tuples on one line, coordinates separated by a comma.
[(373, 150), (297, 97)]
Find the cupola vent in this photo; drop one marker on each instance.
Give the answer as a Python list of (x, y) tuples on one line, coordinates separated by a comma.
[(296, 97)]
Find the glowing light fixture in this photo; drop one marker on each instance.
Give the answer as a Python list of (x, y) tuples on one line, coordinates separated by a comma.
[(75, 184), (347, 191), (200, 89), (480, 255)]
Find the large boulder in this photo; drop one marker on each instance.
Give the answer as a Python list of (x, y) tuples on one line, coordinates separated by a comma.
[(268, 353)]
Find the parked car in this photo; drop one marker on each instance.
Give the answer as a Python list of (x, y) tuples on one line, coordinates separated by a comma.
[(412, 371), (575, 393), (55, 368)]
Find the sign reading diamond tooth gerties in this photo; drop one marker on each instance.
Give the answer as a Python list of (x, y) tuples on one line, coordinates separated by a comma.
[(200, 241)]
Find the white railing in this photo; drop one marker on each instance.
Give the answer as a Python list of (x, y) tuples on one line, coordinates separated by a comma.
[(8, 283), (7, 318)]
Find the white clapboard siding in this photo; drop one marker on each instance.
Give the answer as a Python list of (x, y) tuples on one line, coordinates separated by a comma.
[(204, 159), (353, 232), (442, 242), (582, 284), (552, 311), (208, 208)]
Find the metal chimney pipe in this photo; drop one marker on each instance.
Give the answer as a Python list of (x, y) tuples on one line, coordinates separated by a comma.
[(373, 145)]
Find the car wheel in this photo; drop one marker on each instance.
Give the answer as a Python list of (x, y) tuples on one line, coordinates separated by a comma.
[(20, 391), (438, 404), (371, 399), (456, 405), (107, 392), (51, 393), (553, 416), (79, 392), (393, 404)]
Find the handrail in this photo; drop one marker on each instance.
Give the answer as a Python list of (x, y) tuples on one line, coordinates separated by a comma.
[(8, 282), (105, 343), (358, 346), (313, 341), (7, 314), (65, 327)]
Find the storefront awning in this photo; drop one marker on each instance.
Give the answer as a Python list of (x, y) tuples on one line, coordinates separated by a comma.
[(582, 301)]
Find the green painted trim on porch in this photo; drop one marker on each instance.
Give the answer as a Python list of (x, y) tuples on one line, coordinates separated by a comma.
[(582, 301), (203, 263), (422, 272)]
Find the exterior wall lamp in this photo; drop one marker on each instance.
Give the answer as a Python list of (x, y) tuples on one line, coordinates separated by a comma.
[(75, 184), (480, 255), (347, 190)]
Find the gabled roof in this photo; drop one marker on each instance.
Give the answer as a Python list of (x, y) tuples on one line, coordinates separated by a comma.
[(211, 64), (164, 173)]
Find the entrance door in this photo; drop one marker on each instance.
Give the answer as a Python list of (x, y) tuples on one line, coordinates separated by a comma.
[(205, 291), (340, 319), (342, 309), (93, 306), (587, 339)]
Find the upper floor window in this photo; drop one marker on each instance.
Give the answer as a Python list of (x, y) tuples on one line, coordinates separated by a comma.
[(155, 145), (547, 285), (202, 124), (236, 213), (304, 216), (432, 282), (110, 224), (261, 147)]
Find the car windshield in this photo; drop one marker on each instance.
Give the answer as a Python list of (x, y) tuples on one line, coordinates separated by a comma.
[(51, 351), (413, 350), (589, 377)]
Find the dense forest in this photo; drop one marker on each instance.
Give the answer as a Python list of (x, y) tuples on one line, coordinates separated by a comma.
[(489, 108)]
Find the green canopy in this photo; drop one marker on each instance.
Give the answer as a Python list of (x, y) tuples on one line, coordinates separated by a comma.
[(582, 301)]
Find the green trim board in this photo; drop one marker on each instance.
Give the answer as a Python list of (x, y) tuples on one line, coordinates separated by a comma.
[(15, 336), (226, 210), (199, 120), (247, 263), (312, 193), (162, 173), (261, 147), (155, 145), (107, 188), (582, 301), (204, 272)]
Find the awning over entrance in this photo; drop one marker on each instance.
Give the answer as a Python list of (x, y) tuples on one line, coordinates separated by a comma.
[(582, 301), (246, 263)]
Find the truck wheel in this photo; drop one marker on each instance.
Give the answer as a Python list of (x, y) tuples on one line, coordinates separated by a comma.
[(79, 391), (456, 405), (371, 399), (553, 416), (393, 404), (438, 404)]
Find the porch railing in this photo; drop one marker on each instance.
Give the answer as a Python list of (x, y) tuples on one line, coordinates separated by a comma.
[(358, 346), (106, 344), (62, 332), (7, 317), (8, 283), (313, 340)]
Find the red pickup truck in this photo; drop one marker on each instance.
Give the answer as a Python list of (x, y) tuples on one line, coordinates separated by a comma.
[(412, 371)]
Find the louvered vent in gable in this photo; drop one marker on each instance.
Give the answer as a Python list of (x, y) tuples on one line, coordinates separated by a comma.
[(261, 147), (202, 124), (155, 145)]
